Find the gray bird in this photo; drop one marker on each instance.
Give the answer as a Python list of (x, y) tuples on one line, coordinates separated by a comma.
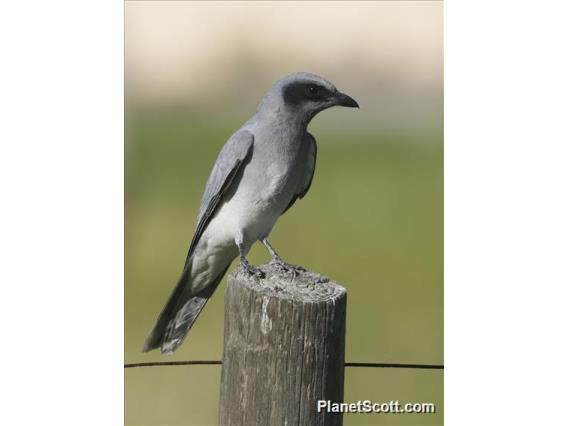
[(261, 171)]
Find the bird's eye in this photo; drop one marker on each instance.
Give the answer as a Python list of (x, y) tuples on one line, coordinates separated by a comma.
[(313, 89)]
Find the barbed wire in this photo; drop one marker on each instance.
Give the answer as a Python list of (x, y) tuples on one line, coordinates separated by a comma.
[(347, 364)]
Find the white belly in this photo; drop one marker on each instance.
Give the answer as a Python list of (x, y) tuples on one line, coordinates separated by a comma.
[(261, 196), (246, 217)]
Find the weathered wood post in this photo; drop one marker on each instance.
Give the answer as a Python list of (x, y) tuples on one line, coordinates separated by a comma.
[(284, 349)]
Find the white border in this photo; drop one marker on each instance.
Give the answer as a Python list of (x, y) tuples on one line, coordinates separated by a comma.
[(506, 212), (61, 168)]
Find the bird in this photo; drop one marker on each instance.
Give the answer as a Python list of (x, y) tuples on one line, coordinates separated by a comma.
[(261, 171)]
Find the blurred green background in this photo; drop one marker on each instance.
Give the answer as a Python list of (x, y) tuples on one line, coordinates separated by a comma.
[(373, 219)]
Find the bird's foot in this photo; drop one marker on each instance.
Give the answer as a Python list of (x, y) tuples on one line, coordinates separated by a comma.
[(252, 270), (286, 267)]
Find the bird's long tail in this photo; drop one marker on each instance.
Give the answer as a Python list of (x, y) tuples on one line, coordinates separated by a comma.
[(179, 314)]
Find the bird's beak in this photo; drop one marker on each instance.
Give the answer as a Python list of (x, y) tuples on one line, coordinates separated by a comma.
[(342, 99)]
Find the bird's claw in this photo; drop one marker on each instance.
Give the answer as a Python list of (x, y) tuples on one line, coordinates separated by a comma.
[(286, 267), (253, 270)]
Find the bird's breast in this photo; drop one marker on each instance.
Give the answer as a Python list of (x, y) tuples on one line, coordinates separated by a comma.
[(268, 184), (278, 179)]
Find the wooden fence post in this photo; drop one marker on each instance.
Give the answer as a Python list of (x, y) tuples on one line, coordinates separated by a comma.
[(284, 349)]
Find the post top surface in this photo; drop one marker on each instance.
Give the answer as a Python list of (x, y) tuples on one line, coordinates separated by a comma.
[(304, 285)]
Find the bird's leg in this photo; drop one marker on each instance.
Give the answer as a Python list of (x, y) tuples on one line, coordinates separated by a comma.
[(245, 265), (277, 260)]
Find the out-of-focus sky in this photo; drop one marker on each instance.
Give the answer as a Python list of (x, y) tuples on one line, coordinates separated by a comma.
[(206, 51)]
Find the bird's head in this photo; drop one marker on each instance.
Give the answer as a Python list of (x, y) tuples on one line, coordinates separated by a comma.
[(304, 95)]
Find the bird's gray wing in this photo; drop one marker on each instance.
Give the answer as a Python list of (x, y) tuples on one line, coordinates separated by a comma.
[(308, 175), (233, 156), (183, 307)]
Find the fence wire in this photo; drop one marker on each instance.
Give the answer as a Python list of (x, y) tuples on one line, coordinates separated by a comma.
[(347, 364)]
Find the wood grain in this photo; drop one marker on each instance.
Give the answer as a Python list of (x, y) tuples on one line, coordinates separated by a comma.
[(284, 348)]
